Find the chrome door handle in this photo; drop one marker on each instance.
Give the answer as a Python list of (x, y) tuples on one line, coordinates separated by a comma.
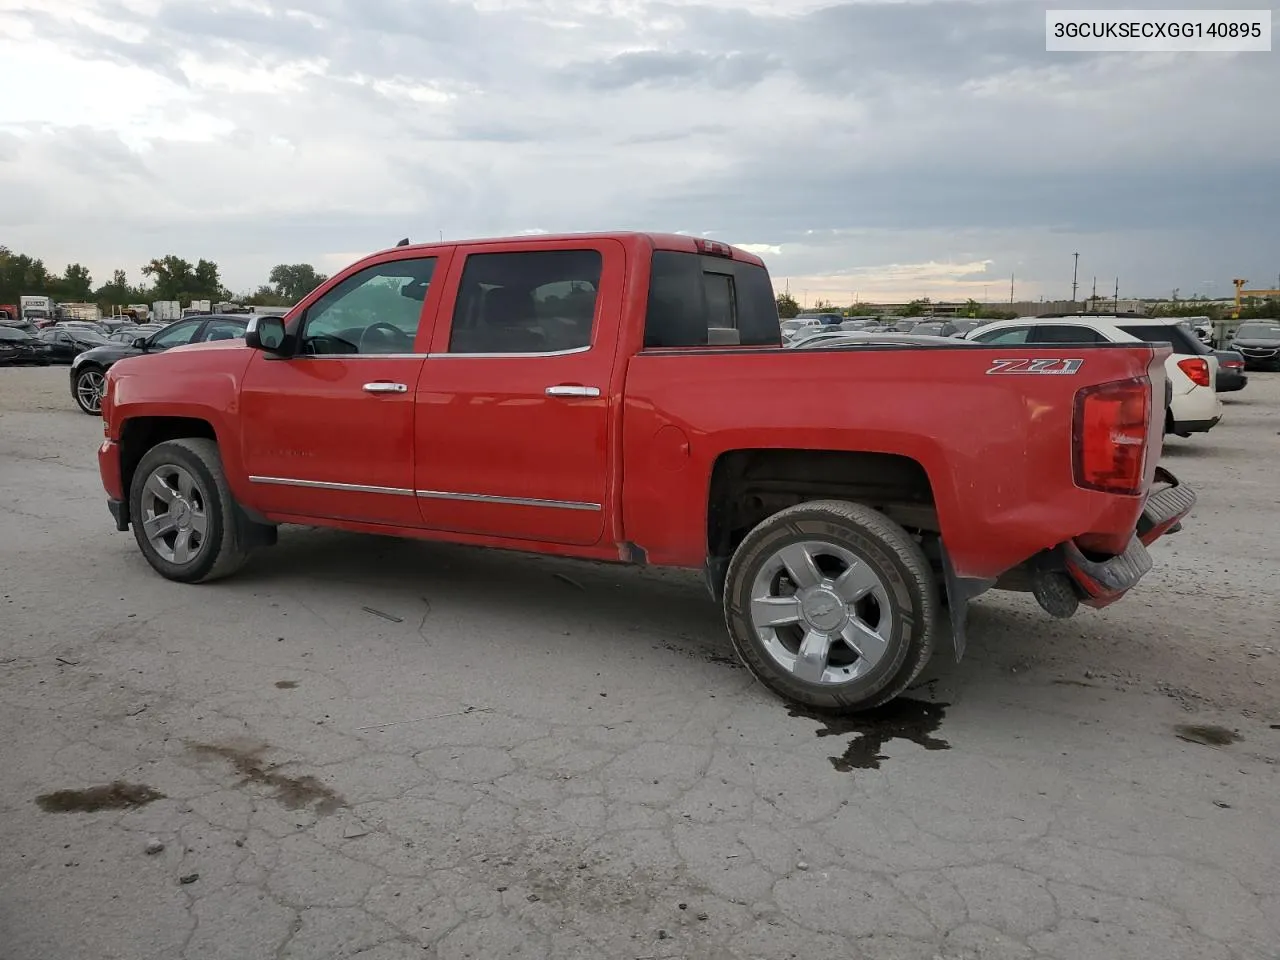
[(384, 387), (571, 390)]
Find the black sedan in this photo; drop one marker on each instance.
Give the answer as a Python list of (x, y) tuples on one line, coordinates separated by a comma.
[(66, 343), (17, 346), (88, 370), (1231, 375), (1259, 342)]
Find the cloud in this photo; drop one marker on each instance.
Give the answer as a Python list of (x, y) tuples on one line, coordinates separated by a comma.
[(839, 139)]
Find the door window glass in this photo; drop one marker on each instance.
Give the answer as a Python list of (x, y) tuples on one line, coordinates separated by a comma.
[(1009, 336), (536, 301), (1067, 333), (697, 300), (374, 311), (176, 335), (223, 330)]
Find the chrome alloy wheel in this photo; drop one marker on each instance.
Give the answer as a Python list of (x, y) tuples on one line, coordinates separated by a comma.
[(821, 612), (89, 390), (173, 514)]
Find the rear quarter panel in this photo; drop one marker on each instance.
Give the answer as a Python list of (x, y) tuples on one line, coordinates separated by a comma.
[(997, 448)]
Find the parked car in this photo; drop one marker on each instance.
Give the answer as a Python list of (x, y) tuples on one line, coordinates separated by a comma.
[(1258, 341), (65, 343), (795, 326), (830, 526), (964, 326), (88, 370), (1191, 368), (935, 328), (1231, 375), (19, 347), (26, 326), (825, 319), (128, 334)]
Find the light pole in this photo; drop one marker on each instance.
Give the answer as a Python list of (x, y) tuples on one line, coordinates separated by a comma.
[(1075, 272)]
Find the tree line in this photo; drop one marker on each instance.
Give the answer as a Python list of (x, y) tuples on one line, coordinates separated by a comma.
[(164, 278)]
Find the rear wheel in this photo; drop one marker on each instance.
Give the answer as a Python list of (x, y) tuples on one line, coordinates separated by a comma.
[(183, 514), (87, 390), (832, 605)]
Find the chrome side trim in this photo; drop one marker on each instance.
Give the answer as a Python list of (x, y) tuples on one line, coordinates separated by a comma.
[(359, 356), (507, 501), (499, 356), (436, 356), (326, 485)]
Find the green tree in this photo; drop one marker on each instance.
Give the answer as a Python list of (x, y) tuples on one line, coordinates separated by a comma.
[(915, 308), (787, 306), (265, 296), (21, 276), (75, 284), (176, 279), (293, 281)]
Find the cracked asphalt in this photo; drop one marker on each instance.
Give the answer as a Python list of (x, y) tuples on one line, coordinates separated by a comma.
[(383, 749)]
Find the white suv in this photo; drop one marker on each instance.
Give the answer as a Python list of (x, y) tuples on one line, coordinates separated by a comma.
[(1192, 369)]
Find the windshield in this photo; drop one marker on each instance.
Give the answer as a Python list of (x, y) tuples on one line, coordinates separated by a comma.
[(9, 333), (1259, 331), (89, 336)]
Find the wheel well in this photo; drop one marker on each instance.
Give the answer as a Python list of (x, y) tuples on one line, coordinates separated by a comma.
[(140, 434), (749, 485)]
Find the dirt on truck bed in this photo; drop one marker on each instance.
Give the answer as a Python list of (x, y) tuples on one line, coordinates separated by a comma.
[(368, 747)]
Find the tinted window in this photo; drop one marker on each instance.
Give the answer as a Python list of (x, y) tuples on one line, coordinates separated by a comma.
[(1170, 333), (537, 301), (222, 330), (176, 335), (374, 311), (1066, 333), (691, 295), (1009, 335)]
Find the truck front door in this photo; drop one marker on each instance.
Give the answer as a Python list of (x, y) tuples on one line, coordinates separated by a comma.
[(512, 425), (328, 431)]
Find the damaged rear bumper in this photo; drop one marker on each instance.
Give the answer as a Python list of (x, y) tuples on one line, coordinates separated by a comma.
[(1100, 582)]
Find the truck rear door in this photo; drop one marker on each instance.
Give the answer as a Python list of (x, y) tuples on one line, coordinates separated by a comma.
[(512, 420)]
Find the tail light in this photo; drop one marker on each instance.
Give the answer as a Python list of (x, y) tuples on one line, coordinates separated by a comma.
[(1233, 364), (1109, 436), (1197, 370)]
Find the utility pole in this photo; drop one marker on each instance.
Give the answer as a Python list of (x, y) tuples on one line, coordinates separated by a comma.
[(1075, 271), (1116, 308), (1011, 288)]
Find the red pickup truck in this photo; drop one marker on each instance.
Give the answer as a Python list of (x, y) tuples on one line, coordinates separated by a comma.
[(627, 398)]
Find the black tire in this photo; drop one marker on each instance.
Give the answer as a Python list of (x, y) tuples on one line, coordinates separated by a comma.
[(895, 558), (81, 374), (220, 553)]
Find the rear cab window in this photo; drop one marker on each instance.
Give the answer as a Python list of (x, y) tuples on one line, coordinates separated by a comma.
[(698, 300)]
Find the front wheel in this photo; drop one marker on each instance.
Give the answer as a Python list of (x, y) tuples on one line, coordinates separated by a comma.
[(831, 605), (183, 514), (87, 390)]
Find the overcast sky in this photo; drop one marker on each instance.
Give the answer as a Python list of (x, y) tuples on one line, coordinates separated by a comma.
[(885, 149)]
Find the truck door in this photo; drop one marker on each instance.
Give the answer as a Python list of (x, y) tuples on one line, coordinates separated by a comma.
[(512, 424), (328, 431)]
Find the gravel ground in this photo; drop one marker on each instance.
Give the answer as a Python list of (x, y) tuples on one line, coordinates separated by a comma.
[(375, 748)]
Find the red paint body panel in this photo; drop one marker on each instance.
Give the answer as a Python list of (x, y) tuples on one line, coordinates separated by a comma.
[(638, 459)]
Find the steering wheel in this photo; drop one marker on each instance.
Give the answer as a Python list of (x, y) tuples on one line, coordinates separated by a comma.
[(384, 328)]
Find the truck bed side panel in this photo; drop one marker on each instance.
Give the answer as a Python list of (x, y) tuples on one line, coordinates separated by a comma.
[(996, 447)]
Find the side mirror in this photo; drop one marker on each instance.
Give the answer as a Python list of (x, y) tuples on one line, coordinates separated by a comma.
[(265, 333), (140, 343)]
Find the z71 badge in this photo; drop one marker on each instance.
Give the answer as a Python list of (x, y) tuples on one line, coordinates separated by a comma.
[(1062, 367)]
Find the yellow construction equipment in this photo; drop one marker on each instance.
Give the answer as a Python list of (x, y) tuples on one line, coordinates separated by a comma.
[(1241, 293)]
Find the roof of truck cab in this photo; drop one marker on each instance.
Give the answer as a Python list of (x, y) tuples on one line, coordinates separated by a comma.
[(678, 242)]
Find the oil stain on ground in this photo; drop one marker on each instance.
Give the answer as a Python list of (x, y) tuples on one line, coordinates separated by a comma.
[(901, 719), (287, 684), (110, 796), (293, 793), (1208, 734)]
